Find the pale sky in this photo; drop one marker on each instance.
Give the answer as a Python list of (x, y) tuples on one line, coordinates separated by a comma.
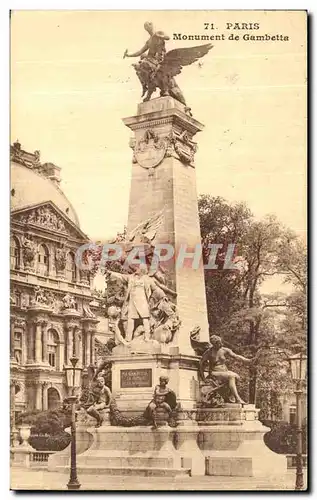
[(71, 88)]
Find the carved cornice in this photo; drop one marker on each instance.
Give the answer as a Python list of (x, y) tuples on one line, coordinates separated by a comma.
[(152, 123), (33, 382), (169, 116)]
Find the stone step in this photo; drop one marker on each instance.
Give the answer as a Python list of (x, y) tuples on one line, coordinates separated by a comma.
[(132, 461), (129, 471)]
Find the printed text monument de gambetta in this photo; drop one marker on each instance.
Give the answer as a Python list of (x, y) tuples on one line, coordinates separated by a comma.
[(244, 31)]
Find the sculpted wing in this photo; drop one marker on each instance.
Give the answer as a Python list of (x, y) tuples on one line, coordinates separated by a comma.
[(149, 227), (177, 58)]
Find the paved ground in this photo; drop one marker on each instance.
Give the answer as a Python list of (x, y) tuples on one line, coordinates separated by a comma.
[(22, 479)]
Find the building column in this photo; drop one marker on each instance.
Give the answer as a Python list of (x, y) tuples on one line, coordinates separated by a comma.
[(84, 347), (92, 354), (61, 347), (79, 344), (88, 360), (69, 344), (44, 396), (29, 341), (25, 341), (38, 342), (12, 324), (38, 396), (44, 337), (12, 405)]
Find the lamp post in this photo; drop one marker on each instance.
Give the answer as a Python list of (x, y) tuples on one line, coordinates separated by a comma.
[(73, 483), (298, 364)]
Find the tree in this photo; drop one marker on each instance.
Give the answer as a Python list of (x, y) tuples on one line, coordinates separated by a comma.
[(253, 323), (292, 259), (223, 224)]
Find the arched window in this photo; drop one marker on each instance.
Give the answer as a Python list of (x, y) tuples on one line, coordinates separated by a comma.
[(43, 260), (70, 267), (53, 399), (52, 349), (14, 253)]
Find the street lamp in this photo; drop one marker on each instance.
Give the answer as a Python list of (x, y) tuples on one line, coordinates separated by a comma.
[(73, 381), (298, 364)]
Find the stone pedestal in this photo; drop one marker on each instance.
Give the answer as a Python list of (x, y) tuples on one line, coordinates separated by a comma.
[(231, 439), (132, 451), (138, 451), (134, 378), (20, 456), (187, 447)]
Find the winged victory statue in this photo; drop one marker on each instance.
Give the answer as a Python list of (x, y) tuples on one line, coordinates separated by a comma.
[(157, 68)]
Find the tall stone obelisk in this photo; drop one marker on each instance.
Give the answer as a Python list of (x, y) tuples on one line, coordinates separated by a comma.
[(164, 184), (164, 180)]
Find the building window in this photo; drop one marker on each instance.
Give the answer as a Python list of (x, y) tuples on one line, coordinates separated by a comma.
[(14, 253), (18, 347), (52, 348), (17, 298), (292, 415), (17, 415), (70, 267), (52, 359), (43, 260)]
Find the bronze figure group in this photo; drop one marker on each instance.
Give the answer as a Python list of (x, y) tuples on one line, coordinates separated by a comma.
[(157, 68)]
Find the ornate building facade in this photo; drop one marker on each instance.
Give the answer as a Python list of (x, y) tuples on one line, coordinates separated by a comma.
[(53, 314)]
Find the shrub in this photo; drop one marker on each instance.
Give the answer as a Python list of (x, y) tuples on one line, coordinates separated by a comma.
[(282, 437), (53, 442), (47, 428)]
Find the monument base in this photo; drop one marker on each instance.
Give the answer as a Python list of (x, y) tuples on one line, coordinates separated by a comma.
[(228, 442), (137, 451), (134, 379), (231, 439)]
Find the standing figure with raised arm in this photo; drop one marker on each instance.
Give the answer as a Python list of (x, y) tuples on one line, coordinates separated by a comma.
[(140, 287)]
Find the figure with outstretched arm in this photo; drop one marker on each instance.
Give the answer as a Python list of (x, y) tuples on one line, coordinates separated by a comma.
[(136, 54), (157, 68), (152, 54), (137, 299), (216, 356), (155, 44)]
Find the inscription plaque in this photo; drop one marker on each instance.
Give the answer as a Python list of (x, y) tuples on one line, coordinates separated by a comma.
[(136, 378)]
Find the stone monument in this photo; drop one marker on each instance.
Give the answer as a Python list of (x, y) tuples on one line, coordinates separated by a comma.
[(163, 210), (155, 310)]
